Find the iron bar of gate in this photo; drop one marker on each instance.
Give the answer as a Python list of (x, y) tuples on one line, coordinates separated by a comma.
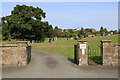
[(95, 55), (28, 54), (88, 54), (76, 54), (101, 55)]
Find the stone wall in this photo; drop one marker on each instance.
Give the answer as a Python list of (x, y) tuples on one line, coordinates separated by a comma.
[(14, 54), (110, 52)]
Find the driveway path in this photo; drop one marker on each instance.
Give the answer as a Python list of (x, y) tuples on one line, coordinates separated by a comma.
[(51, 65)]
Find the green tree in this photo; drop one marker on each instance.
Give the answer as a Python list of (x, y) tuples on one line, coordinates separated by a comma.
[(101, 30), (105, 30), (0, 24), (25, 23), (65, 34), (81, 32), (0, 28), (70, 31), (87, 30), (57, 32)]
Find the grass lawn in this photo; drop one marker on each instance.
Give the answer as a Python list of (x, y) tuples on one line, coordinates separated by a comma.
[(62, 46), (66, 47), (94, 42)]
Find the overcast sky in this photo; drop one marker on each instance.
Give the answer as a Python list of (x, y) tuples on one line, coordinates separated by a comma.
[(74, 14)]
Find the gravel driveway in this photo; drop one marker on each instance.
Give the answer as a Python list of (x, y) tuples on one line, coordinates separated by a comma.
[(51, 65)]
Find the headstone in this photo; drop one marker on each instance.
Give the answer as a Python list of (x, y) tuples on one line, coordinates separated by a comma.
[(53, 39), (49, 40), (56, 38), (28, 42), (33, 41)]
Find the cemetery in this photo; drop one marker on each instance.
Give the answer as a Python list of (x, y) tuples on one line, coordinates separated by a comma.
[(105, 53), (32, 47)]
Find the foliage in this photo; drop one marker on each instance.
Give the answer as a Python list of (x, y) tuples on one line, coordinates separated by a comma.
[(70, 31), (0, 28), (0, 24), (103, 30), (87, 30), (65, 34), (81, 32), (57, 32), (25, 23)]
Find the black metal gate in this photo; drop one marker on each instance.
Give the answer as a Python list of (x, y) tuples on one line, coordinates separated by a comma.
[(95, 55), (76, 54), (28, 54)]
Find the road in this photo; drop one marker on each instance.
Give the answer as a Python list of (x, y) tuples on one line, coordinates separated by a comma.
[(51, 65)]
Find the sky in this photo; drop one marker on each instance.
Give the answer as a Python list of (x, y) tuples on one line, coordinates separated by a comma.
[(74, 14)]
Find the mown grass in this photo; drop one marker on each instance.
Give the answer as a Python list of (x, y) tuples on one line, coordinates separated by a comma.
[(62, 46), (94, 42), (66, 47), (94, 52)]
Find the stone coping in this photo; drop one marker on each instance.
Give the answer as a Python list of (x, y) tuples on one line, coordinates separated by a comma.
[(8, 45), (106, 41), (14, 45), (82, 40), (22, 41)]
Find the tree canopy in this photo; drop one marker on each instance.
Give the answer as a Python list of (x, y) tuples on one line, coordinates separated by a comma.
[(81, 32), (57, 32), (25, 23), (103, 30)]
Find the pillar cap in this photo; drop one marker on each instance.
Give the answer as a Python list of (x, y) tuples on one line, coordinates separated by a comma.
[(106, 41), (82, 40), (22, 41)]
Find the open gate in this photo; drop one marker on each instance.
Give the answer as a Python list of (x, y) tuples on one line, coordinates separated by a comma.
[(95, 56), (28, 54), (76, 58)]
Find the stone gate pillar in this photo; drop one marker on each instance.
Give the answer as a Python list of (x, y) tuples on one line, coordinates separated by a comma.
[(22, 52), (22, 43), (105, 49), (82, 51)]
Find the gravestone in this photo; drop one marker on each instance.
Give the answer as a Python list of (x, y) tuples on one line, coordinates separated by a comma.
[(33, 41)]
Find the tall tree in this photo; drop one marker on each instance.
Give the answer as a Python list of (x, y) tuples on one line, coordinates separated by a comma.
[(81, 32), (101, 30), (25, 23), (57, 32), (105, 30)]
